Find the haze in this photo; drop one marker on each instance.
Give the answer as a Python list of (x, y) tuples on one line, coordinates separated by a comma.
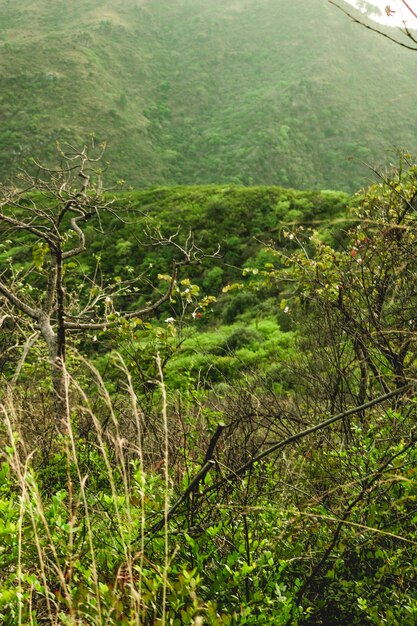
[(399, 16)]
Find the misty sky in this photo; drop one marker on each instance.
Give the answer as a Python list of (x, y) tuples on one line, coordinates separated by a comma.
[(401, 13)]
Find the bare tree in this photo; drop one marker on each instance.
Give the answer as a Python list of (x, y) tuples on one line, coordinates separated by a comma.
[(402, 36), (51, 211)]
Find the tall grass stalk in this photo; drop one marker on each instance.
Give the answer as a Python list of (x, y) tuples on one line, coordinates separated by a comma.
[(138, 423), (53, 562), (30, 502), (126, 529), (167, 485)]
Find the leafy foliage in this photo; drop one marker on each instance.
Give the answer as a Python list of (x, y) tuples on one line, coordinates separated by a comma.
[(302, 99), (199, 480)]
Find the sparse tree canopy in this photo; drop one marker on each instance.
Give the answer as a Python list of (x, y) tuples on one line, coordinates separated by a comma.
[(49, 214)]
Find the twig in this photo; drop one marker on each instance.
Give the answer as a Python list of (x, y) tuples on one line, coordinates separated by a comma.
[(377, 30), (193, 484), (308, 431)]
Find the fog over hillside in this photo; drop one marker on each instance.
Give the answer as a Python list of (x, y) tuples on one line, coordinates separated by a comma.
[(188, 91)]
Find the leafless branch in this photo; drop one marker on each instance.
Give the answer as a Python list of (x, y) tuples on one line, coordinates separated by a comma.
[(308, 431), (405, 30), (18, 303), (26, 348)]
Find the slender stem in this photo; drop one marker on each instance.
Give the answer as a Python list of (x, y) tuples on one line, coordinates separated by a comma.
[(167, 487), (308, 431)]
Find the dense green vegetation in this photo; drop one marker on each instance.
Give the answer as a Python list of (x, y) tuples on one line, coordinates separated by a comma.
[(191, 475), (207, 380), (239, 220), (192, 92)]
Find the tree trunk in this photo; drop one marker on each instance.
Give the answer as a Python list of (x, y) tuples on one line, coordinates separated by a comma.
[(57, 372)]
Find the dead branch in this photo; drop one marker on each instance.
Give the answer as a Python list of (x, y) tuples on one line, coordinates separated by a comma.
[(405, 31)]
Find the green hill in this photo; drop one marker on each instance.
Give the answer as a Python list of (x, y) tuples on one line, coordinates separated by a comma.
[(186, 91), (239, 221)]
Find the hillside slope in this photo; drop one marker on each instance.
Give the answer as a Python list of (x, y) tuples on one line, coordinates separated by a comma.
[(186, 91)]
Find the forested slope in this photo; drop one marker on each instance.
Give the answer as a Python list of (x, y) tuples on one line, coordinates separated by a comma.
[(207, 391), (185, 92)]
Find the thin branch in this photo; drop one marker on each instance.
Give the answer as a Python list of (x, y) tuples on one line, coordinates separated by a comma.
[(131, 314), (343, 520), (4, 318), (409, 8), (27, 226), (376, 30), (18, 303), (191, 487), (166, 296), (28, 345), (396, 190), (308, 431)]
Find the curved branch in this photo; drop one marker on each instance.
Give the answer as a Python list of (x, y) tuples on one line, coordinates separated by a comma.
[(308, 431), (32, 229), (81, 237), (18, 303), (166, 296), (131, 314), (377, 30)]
